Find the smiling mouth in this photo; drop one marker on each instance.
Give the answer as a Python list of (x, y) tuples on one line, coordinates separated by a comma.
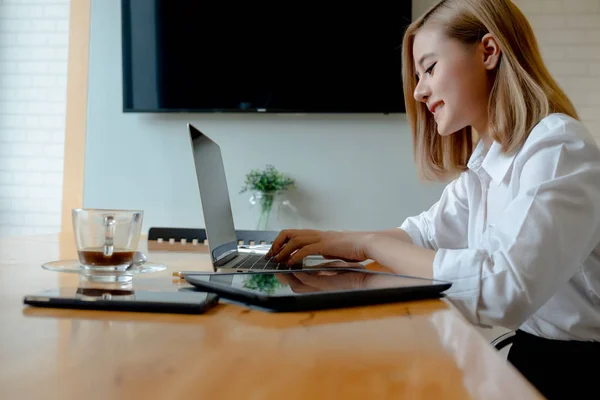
[(435, 111)]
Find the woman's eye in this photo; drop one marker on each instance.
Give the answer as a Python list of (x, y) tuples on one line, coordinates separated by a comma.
[(430, 69)]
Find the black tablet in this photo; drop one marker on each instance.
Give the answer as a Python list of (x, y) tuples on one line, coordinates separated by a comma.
[(179, 301), (319, 289)]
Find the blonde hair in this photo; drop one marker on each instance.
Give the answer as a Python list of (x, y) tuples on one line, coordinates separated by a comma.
[(523, 93)]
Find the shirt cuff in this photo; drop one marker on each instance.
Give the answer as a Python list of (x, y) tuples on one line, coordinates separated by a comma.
[(462, 268), (413, 231)]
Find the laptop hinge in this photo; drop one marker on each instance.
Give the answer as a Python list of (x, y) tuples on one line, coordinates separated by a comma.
[(227, 253)]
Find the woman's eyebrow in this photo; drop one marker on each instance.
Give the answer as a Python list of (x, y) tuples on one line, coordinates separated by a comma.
[(425, 56)]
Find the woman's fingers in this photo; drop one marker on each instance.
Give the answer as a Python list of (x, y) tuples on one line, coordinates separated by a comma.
[(280, 241), (311, 249), (344, 280), (294, 244), (339, 258), (319, 281), (295, 284)]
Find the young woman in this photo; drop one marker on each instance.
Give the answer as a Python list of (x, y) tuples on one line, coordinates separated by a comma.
[(517, 229)]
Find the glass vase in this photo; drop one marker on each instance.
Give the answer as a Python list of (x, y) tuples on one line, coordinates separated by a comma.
[(274, 211)]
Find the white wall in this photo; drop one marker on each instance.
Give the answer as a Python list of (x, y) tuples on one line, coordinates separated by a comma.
[(353, 172), (569, 35), (421, 6), (33, 68)]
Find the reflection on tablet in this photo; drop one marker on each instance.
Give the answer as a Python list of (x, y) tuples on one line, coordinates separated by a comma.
[(290, 282)]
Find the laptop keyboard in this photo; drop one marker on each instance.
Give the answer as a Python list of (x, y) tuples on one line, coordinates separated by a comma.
[(258, 261)]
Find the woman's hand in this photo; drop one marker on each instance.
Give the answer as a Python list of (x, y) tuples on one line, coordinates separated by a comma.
[(319, 281), (293, 245)]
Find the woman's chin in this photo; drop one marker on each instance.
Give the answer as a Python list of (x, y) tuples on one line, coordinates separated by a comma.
[(442, 131)]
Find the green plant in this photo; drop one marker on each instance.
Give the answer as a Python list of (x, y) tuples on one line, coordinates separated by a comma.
[(267, 183), (266, 283)]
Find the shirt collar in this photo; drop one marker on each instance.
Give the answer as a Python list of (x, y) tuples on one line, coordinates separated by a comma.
[(493, 161)]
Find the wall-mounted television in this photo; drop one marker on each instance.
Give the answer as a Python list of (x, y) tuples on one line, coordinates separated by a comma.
[(198, 56)]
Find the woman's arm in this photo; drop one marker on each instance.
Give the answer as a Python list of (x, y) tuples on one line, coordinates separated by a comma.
[(446, 223), (396, 233), (400, 256)]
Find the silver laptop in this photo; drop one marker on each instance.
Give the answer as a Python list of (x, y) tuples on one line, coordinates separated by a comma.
[(218, 218)]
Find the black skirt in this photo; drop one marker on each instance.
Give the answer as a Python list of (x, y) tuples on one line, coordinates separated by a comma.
[(559, 369)]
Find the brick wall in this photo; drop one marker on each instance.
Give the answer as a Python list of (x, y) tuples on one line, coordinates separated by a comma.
[(34, 36), (569, 35)]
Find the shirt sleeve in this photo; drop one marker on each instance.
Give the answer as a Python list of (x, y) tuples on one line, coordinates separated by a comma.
[(445, 224), (545, 234)]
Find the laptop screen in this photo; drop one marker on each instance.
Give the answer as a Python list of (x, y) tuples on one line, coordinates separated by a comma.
[(214, 195)]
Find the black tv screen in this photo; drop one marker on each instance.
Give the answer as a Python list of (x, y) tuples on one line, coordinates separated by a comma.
[(197, 56)]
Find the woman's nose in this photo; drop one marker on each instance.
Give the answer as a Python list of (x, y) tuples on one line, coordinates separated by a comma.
[(422, 92)]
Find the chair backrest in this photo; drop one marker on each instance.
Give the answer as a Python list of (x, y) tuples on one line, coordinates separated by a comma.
[(176, 234), (247, 237), (503, 340), (244, 237)]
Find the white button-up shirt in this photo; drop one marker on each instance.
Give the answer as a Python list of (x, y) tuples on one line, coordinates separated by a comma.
[(519, 235)]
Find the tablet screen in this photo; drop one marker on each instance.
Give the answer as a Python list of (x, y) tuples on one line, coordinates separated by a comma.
[(285, 283), (147, 296)]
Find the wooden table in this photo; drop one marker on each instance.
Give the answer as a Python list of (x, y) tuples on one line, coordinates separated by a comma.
[(416, 350)]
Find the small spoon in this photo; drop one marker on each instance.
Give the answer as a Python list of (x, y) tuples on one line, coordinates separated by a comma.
[(138, 259)]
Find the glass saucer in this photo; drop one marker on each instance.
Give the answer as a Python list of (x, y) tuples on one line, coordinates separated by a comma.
[(74, 266)]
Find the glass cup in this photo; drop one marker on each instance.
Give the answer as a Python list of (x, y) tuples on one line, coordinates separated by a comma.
[(106, 239)]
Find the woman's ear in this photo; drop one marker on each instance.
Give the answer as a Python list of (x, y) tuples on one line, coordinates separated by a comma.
[(491, 51)]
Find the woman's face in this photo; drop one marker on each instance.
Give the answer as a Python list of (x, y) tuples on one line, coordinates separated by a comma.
[(453, 79)]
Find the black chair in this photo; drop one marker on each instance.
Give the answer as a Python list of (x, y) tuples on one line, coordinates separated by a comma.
[(503, 340), (244, 237)]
